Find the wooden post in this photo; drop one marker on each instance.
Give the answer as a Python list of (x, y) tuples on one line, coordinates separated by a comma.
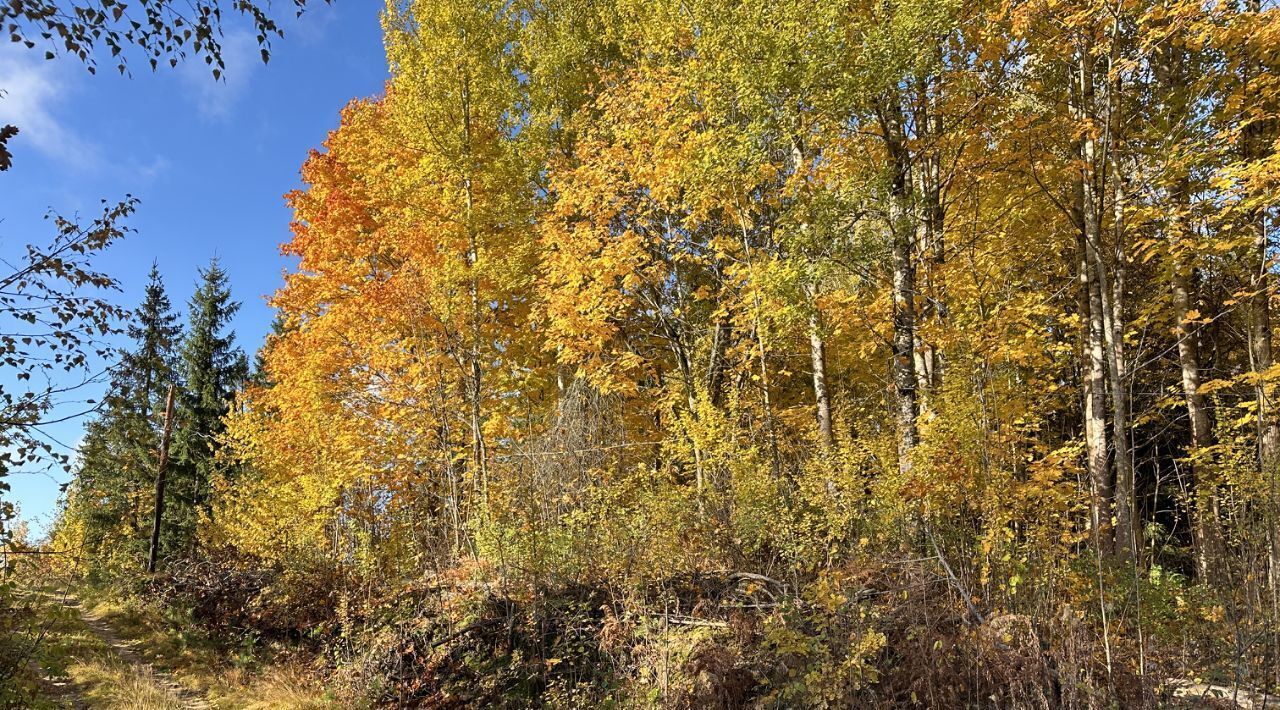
[(161, 469)]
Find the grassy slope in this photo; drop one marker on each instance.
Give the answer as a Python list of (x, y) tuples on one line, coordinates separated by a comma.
[(113, 654)]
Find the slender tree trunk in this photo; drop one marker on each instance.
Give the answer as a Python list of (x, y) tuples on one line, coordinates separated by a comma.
[(1088, 215), (1111, 285), (902, 241), (691, 398), (479, 452), (1095, 402), (1127, 493), (1189, 357), (904, 370), (817, 344), (926, 172), (477, 416), (445, 434), (162, 469), (1110, 300), (1204, 527), (715, 362), (1256, 145), (818, 359), (766, 397), (1111, 280), (762, 351), (1261, 360)]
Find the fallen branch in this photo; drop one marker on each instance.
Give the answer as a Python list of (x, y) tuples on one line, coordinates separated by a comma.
[(691, 621), (753, 577), (1245, 698), (978, 618)]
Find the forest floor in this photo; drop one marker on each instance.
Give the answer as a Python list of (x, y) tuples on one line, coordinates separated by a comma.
[(108, 654)]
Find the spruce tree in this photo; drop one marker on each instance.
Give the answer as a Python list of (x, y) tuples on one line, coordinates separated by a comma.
[(213, 368), (147, 371), (117, 457), (143, 376)]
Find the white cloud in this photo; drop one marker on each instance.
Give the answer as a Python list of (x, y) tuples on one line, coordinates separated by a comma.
[(216, 98), (34, 90), (145, 172), (313, 26)]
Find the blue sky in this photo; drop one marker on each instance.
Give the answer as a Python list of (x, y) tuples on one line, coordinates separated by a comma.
[(209, 161)]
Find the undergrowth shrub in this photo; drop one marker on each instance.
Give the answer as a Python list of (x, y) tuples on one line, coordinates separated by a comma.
[(236, 597)]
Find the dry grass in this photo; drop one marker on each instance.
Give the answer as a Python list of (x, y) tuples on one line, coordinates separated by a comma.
[(282, 687), (126, 655), (112, 683)]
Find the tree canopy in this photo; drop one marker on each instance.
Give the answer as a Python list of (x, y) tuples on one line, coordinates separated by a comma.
[(770, 353)]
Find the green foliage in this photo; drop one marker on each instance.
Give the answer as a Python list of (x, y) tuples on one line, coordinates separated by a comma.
[(212, 369), (110, 501)]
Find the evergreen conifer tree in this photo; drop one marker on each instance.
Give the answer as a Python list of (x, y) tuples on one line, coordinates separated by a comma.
[(118, 454), (146, 372), (213, 368)]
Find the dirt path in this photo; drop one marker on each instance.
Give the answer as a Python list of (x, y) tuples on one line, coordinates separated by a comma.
[(67, 693), (127, 652)]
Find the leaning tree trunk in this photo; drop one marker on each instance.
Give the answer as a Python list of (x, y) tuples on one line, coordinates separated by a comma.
[(162, 470)]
